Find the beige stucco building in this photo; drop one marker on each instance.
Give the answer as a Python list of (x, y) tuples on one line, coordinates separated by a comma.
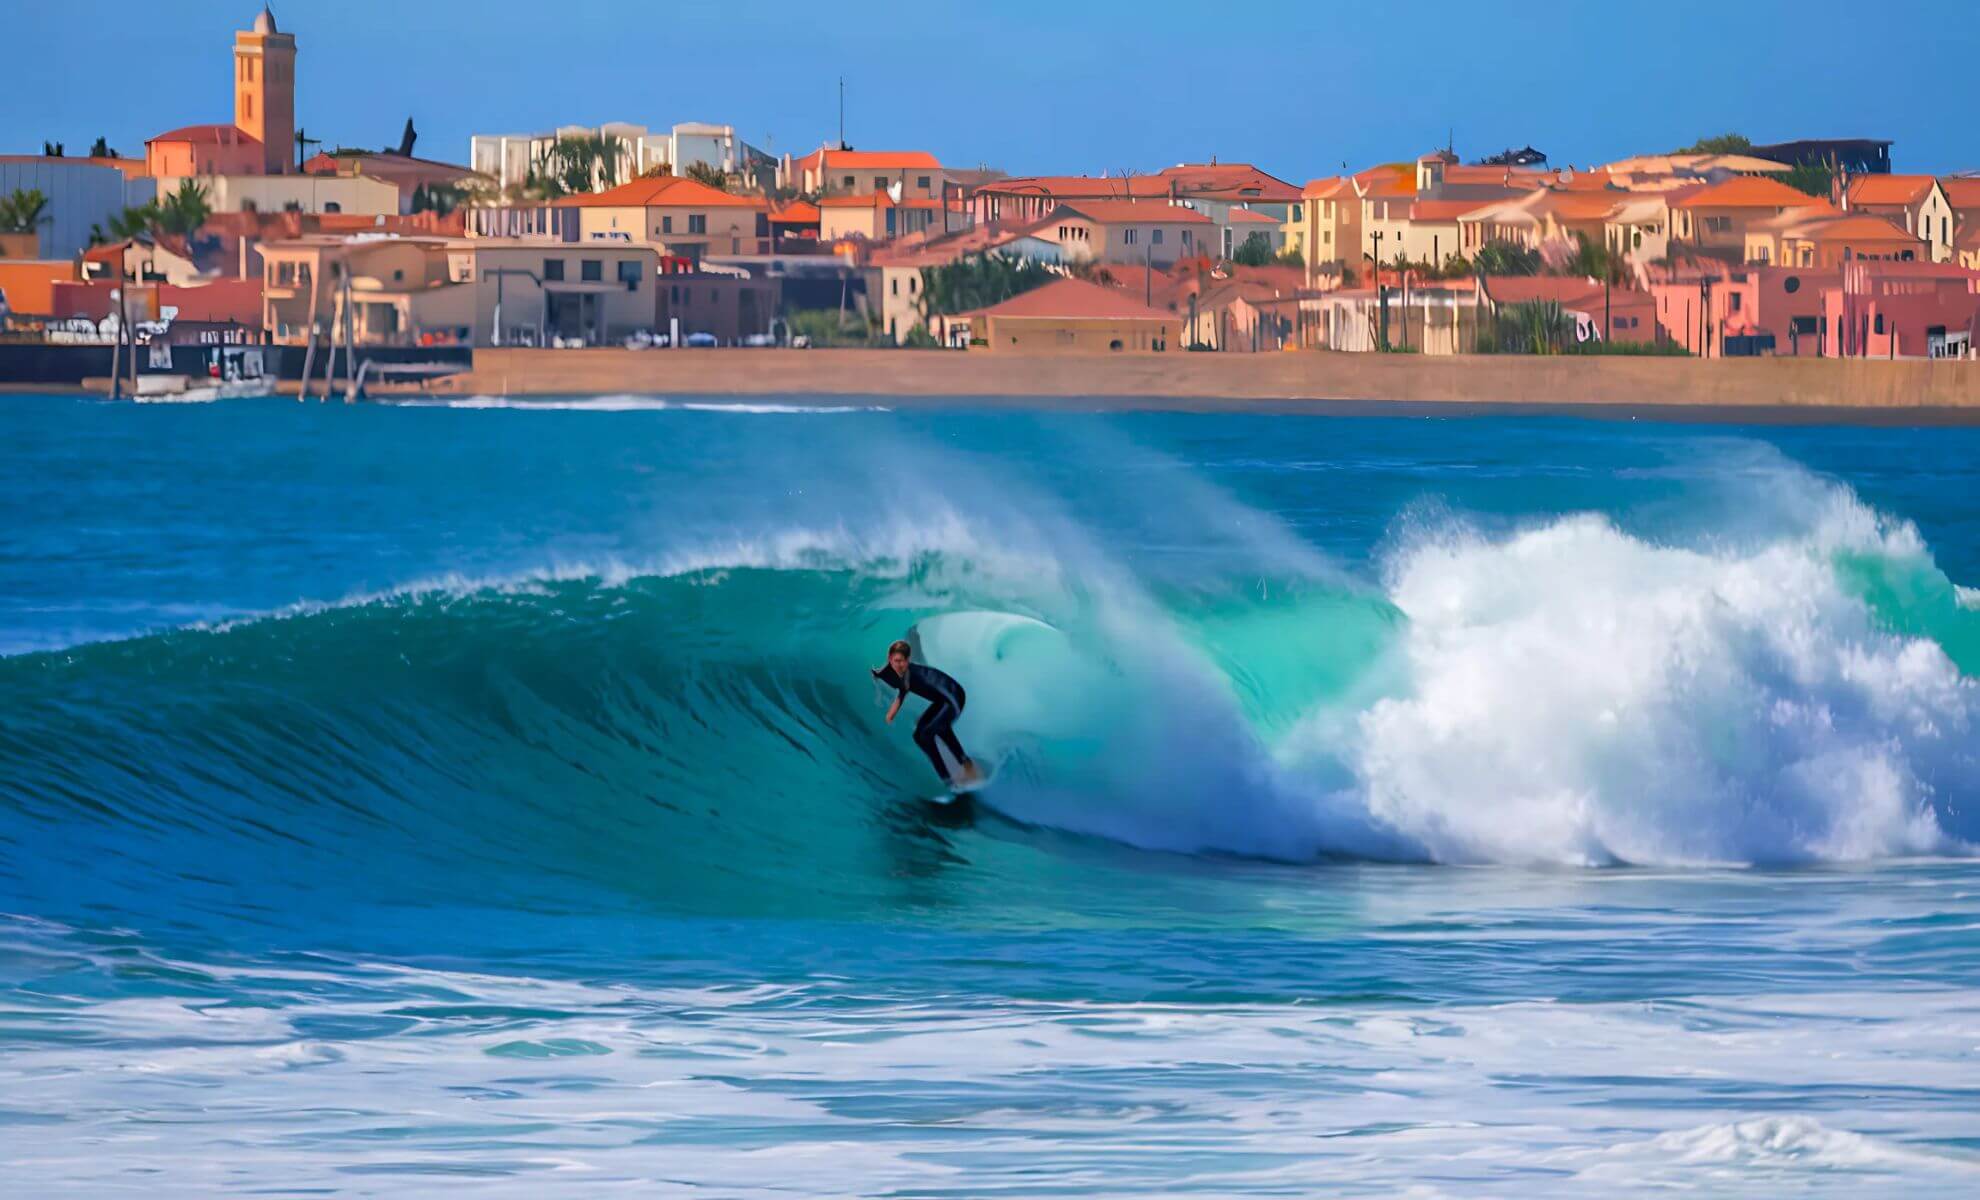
[(482, 291), (1129, 232), (675, 215)]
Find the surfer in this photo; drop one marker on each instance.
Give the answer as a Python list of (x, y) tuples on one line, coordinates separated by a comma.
[(945, 703)]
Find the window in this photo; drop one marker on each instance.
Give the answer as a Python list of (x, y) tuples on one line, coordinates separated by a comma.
[(1791, 284), (1880, 323), (333, 207), (1185, 237), (398, 276), (591, 270), (553, 270), (629, 272), (1156, 237), (666, 224), (1736, 298), (924, 183), (850, 184), (879, 183), (912, 280), (1129, 236), (897, 287), (698, 223)]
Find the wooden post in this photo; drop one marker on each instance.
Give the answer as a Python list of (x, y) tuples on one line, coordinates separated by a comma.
[(309, 351)]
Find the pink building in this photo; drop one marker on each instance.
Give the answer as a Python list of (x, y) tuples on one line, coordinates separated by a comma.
[(203, 150), (1742, 311), (1903, 310)]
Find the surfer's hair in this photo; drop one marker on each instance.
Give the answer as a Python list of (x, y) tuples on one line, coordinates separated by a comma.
[(901, 648)]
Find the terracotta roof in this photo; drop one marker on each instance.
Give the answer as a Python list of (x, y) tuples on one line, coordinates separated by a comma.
[(661, 191), (1074, 299), (870, 160), (1121, 212), (1856, 227), (216, 135), (1889, 189), (1442, 210), (1747, 191), (1233, 181), (1962, 193), (1324, 189), (1239, 216), (1388, 181), (797, 212)]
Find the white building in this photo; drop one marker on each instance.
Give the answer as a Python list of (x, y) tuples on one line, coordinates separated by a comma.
[(509, 158)]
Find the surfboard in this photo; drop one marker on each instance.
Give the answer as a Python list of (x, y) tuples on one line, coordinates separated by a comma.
[(964, 792)]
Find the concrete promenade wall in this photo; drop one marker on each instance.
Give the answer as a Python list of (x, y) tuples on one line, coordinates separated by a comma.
[(1278, 382)]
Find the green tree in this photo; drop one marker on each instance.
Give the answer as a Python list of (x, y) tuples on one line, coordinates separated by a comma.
[(1255, 251), (184, 211), (25, 210), (1816, 179), (100, 148), (52, 149), (829, 327), (1590, 260), (1505, 258), (1725, 143), (978, 282), (701, 172), (582, 162)]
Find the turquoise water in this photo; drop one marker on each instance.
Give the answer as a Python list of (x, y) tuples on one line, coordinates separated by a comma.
[(401, 800)]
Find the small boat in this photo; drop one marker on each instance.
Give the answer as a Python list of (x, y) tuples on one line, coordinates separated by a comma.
[(233, 373)]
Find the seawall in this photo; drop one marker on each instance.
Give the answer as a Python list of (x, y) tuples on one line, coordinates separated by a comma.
[(1318, 381)]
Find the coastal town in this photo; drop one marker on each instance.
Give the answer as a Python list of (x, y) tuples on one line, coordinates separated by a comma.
[(250, 232)]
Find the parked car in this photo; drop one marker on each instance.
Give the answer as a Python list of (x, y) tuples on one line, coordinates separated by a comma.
[(759, 339), (700, 340)]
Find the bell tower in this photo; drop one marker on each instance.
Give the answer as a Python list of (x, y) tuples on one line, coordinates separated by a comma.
[(265, 91)]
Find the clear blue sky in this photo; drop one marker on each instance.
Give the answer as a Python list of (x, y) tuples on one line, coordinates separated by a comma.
[(1071, 85)]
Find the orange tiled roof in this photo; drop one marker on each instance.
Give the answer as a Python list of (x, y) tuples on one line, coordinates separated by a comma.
[(1889, 189), (1324, 189), (1443, 210), (1962, 193), (216, 135), (1389, 181), (1856, 227), (797, 212), (1747, 191), (1245, 215), (661, 191), (1120, 212), (869, 160), (1072, 299)]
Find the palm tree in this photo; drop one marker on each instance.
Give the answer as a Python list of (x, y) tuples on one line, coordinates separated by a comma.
[(184, 211), (25, 210), (701, 172)]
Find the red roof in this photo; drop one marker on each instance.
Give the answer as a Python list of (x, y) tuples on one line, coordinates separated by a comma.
[(1443, 210), (216, 135), (661, 191), (797, 212), (869, 160), (1242, 215), (1121, 212), (1963, 193), (1072, 299), (1889, 189), (1747, 191)]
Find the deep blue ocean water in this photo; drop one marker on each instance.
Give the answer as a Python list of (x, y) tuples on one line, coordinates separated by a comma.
[(493, 800)]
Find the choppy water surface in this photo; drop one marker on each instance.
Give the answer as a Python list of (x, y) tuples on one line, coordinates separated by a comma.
[(493, 800)]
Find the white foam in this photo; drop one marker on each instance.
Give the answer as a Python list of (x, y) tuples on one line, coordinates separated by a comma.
[(1575, 694)]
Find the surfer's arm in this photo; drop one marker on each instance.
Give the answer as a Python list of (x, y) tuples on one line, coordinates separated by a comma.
[(894, 710), (900, 693)]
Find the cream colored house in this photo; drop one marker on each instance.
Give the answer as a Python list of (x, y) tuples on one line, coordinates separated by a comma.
[(675, 215), (1718, 216), (405, 291), (1129, 232), (358, 195), (904, 174), (877, 217), (1915, 203)]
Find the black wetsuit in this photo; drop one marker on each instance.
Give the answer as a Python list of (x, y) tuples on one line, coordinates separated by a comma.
[(945, 703)]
